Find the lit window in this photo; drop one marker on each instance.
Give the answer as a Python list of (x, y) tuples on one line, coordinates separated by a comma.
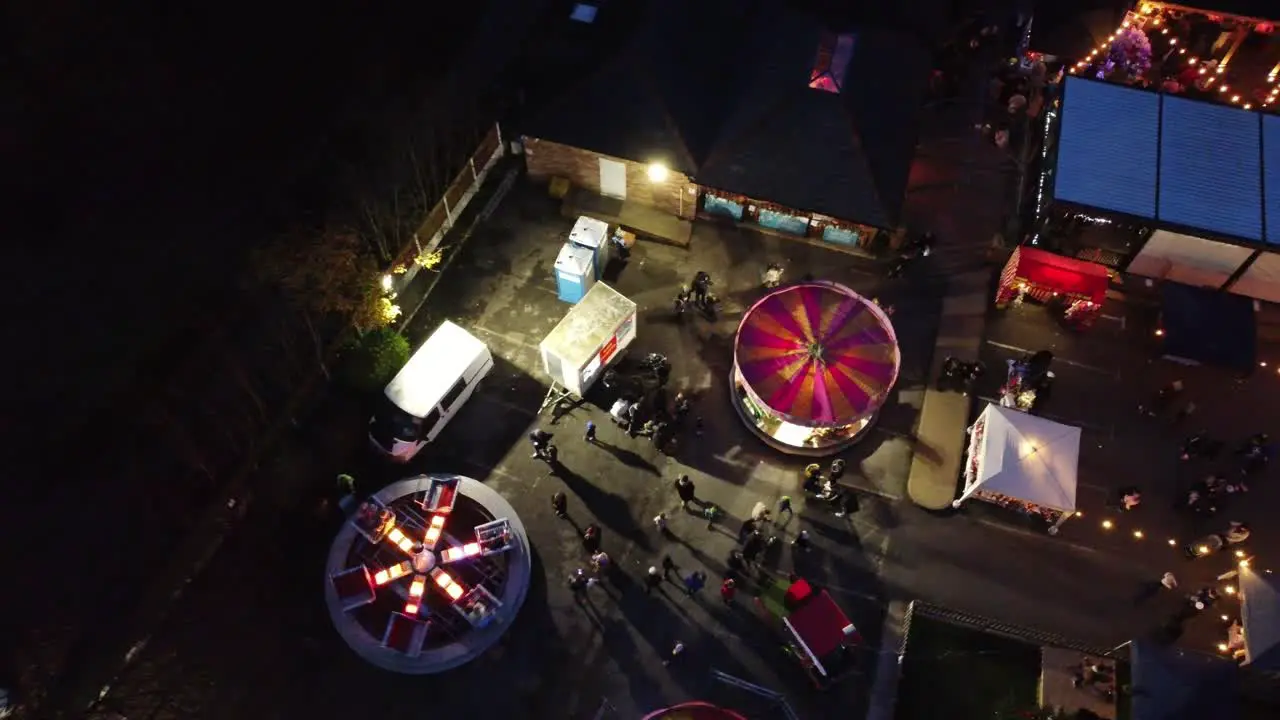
[(831, 62), (583, 13)]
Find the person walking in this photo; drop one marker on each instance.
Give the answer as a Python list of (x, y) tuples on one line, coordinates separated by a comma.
[(669, 566), (752, 547), (694, 581), (760, 513), (600, 562), (652, 579), (560, 504), (748, 527), (711, 512), (685, 489), (848, 503), (591, 538), (728, 589), (837, 470), (578, 585), (660, 522), (541, 440), (784, 505), (590, 433), (802, 542)]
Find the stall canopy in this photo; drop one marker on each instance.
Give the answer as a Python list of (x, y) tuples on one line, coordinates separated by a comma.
[(1029, 458), (1172, 684), (1260, 615), (1208, 326), (1055, 273)]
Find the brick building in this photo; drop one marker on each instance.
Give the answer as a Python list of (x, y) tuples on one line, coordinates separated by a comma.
[(746, 109)]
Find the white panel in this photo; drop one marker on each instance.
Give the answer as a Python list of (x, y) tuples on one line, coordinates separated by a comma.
[(1188, 260), (1261, 280), (613, 179)]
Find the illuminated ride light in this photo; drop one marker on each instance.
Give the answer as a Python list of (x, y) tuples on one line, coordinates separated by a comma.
[(434, 530), (395, 572), (445, 582), (397, 537), (460, 552)]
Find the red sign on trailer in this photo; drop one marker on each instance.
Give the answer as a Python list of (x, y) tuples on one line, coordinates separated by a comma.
[(609, 349)]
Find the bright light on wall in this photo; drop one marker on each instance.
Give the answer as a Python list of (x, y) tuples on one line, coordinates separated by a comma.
[(386, 283), (658, 172)]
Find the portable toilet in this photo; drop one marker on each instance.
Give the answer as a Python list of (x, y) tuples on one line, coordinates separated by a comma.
[(575, 272), (593, 235)]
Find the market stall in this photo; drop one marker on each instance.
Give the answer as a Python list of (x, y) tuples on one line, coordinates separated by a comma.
[(813, 363), (1023, 462), (1045, 277), (593, 334), (818, 633), (1259, 630)]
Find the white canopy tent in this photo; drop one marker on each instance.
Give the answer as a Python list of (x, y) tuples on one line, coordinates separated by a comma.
[(1025, 457)]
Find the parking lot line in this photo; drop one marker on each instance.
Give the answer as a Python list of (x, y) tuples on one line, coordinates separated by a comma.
[(1083, 366)]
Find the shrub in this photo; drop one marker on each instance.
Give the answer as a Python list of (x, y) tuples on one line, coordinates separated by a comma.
[(372, 359)]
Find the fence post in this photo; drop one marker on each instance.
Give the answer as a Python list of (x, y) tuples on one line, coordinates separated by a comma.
[(497, 129), (448, 214)]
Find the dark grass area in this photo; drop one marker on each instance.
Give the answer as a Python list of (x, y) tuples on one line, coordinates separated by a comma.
[(953, 672)]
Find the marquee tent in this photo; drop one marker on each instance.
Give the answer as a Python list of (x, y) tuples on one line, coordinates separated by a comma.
[(1025, 458), (1260, 615)]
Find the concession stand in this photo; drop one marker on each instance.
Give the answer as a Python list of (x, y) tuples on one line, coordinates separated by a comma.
[(593, 334), (1023, 462), (1255, 640), (1080, 286), (813, 364)]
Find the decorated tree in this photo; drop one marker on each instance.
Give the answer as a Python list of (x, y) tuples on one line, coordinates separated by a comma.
[(1130, 53)]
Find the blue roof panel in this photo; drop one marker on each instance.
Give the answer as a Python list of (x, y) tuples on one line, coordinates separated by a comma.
[(1107, 147), (1271, 176), (1211, 168)]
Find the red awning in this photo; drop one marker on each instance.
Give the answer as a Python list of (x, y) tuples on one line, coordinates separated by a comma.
[(820, 625), (1060, 274)]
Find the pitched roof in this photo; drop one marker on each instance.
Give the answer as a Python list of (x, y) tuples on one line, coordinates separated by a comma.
[(847, 155), (660, 96), (723, 95)]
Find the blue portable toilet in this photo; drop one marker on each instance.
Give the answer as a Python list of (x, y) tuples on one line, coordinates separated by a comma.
[(575, 272), (593, 235)]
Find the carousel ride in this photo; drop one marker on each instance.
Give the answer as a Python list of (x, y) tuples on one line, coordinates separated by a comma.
[(813, 364), (408, 594)]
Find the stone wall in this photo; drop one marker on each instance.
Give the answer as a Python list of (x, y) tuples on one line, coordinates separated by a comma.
[(676, 195)]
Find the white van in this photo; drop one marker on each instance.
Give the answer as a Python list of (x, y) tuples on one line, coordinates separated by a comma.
[(427, 392)]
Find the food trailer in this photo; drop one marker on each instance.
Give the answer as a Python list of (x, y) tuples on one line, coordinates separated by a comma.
[(593, 334)]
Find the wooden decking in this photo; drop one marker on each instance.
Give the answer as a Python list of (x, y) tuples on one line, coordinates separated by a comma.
[(646, 222), (1057, 667)]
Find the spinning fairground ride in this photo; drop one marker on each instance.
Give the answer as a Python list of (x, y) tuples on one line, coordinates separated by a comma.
[(813, 364), (427, 574)]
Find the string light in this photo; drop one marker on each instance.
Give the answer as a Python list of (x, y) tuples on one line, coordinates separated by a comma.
[(1137, 534), (1172, 542), (1107, 524)]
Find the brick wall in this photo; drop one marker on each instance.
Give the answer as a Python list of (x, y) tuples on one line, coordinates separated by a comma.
[(546, 160)]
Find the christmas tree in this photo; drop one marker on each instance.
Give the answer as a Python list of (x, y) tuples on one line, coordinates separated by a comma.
[(1130, 52)]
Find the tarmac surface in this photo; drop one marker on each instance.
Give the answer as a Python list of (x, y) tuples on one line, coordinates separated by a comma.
[(251, 639)]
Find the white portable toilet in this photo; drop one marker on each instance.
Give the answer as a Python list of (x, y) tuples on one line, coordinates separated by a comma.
[(575, 272), (593, 235)]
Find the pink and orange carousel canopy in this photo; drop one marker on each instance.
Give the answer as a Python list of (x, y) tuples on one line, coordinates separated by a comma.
[(818, 354)]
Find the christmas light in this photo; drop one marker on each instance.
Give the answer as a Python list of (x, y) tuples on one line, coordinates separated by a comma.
[(1107, 525), (1247, 106), (1235, 98)]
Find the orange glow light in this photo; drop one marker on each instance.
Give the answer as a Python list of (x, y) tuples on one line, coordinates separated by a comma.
[(411, 608), (454, 591), (471, 548), (452, 554), (419, 585), (437, 521), (433, 534), (382, 577), (442, 578)]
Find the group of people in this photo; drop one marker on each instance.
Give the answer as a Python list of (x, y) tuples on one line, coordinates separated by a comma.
[(1207, 496), (827, 487), (696, 295)]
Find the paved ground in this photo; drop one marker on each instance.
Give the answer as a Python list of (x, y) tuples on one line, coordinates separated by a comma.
[(1102, 376), (252, 631)]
